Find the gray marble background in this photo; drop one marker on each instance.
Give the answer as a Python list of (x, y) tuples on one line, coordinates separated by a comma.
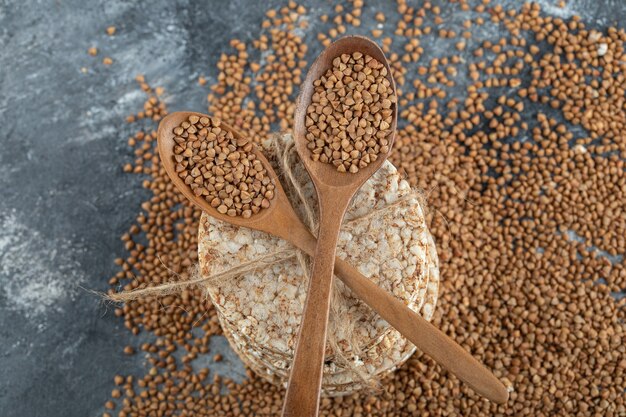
[(64, 199)]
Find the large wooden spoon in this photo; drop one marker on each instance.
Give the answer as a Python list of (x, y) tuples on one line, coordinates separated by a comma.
[(335, 190), (281, 221)]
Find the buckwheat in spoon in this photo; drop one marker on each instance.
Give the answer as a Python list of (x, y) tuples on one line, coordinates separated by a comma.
[(225, 175)]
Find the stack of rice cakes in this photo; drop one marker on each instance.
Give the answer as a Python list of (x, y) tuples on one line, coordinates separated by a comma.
[(384, 235)]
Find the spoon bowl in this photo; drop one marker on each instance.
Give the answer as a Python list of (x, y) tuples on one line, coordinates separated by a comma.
[(258, 221), (326, 173)]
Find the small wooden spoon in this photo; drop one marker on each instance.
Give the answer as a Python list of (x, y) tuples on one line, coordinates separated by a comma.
[(281, 221)]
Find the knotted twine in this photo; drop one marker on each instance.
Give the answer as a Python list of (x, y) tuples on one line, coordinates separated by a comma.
[(282, 153)]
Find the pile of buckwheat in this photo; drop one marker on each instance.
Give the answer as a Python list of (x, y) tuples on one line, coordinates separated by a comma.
[(221, 168), (350, 116), (512, 121)]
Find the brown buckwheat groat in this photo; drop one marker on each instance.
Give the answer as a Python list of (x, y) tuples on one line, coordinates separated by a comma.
[(221, 168), (517, 141), (350, 115)]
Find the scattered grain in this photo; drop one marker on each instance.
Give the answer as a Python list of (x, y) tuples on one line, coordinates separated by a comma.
[(527, 208)]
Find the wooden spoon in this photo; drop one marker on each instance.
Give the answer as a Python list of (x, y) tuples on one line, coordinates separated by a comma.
[(335, 191), (281, 221)]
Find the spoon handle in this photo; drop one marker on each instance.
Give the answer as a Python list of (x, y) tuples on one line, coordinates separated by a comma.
[(430, 340), (305, 381)]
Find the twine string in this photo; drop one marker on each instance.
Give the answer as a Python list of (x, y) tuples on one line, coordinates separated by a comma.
[(339, 321)]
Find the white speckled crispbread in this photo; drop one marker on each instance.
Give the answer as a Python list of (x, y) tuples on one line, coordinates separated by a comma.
[(260, 311)]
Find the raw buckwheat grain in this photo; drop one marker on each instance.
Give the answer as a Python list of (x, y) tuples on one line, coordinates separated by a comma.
[(221, 168)]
